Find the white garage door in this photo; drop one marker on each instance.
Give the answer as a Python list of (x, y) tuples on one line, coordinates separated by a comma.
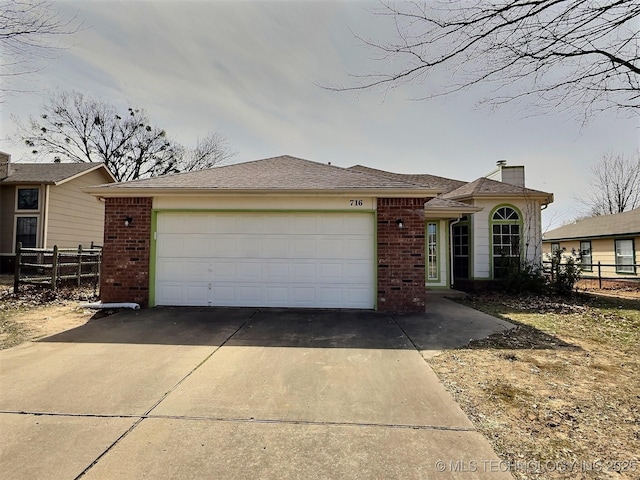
[(265, 259)]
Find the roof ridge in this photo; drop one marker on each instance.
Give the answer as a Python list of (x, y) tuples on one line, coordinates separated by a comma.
[(394, 175)]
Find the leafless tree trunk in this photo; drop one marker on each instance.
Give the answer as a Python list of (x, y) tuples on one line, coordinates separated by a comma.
[(614, 185), (79, 129), (28, 30), (565, 53)]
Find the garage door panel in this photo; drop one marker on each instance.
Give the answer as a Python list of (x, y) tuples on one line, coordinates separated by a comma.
[(303, 247), (249, 271), (275, 246), (360, 224), (330, 272), (331, 225), (303, 224), (303, 272), (357, 247), (223, 224), (170, 223), (277, 271), (271, 259), (224, 246), (249, 247), (357, 272)]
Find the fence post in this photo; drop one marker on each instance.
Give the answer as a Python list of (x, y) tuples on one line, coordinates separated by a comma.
[(79, 264), (54, 268), (16, 270), (599, 276)]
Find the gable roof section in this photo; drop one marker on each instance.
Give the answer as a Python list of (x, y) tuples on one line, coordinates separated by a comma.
[(424, 180), (283, 173), (49, 173), (626, 223), (484, 187), (442, 208)]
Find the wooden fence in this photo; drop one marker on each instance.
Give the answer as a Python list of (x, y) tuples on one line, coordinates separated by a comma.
[(51, 267), (593, 271)]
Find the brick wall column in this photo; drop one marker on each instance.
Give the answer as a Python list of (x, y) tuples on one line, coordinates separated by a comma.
[(401, 255), (126, 251)]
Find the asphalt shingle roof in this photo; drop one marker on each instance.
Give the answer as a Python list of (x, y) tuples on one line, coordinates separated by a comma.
[(277, 173), (423, 180), (440, 202), (603, 225), (50, 173), (485, 186)]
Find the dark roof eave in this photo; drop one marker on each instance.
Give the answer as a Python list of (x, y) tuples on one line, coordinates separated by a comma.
[(541, 195), (591, 237), (112, 191)]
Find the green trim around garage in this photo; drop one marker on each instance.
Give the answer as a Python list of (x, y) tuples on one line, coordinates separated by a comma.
[(154, 225), (152, 259)]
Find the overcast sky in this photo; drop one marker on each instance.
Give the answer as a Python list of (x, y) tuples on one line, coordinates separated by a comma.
[(251, 70)]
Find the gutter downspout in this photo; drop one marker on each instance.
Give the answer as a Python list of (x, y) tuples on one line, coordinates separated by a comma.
[(45, 216)]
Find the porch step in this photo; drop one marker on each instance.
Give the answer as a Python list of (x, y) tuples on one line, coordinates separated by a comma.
[(446, 293)]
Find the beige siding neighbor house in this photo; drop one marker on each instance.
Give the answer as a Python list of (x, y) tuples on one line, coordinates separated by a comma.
[(612, 241), (43, 204)]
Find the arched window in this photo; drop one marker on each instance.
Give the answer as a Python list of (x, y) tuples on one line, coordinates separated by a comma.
[(505, 230)]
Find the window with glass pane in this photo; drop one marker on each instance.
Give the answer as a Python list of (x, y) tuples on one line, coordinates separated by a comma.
[(625, 256), (585, 256), (505, 232), (461, 251), (432, 251), (27, 199), (555, 247), (26, 231)]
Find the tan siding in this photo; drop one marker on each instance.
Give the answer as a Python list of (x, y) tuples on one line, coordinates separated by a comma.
[(76, 218), (7, 207), (603, 251)]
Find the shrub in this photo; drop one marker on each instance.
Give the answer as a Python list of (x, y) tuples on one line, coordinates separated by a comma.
[(565, 272)]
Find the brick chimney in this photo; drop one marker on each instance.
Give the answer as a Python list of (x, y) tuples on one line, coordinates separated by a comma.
[(5, 165)]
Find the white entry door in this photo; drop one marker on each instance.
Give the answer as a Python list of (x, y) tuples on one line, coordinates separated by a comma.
[(323, 260)]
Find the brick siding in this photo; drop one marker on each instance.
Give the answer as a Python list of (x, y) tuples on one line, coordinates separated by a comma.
[(126, 251), (401, 255)]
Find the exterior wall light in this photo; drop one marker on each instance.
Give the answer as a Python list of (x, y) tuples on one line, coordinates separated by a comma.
[(400, 223), (128, 221)]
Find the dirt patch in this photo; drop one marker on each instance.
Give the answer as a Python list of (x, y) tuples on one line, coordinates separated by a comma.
[(610, 288), (37, 313), (559, 395)]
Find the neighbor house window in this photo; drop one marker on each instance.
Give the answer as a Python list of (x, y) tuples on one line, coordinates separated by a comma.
[(432, 251), (555, 247), (28, 198), (26, 231), (505, 230), (585, 256), (625, 258)]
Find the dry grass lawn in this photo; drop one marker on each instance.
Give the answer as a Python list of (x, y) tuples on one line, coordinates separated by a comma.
[(559, 395)]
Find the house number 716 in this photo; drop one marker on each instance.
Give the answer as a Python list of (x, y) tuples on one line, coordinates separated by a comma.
[(355, 203)]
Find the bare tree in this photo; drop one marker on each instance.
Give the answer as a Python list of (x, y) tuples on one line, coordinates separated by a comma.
[(565, 53), (80, 129), (614, 186), (28, 30)]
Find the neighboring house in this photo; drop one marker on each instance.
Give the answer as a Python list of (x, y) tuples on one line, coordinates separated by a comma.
[(43, 204), (287, 232), (612, 240)]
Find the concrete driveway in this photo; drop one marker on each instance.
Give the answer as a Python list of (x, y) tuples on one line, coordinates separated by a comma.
[(184, 393)]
